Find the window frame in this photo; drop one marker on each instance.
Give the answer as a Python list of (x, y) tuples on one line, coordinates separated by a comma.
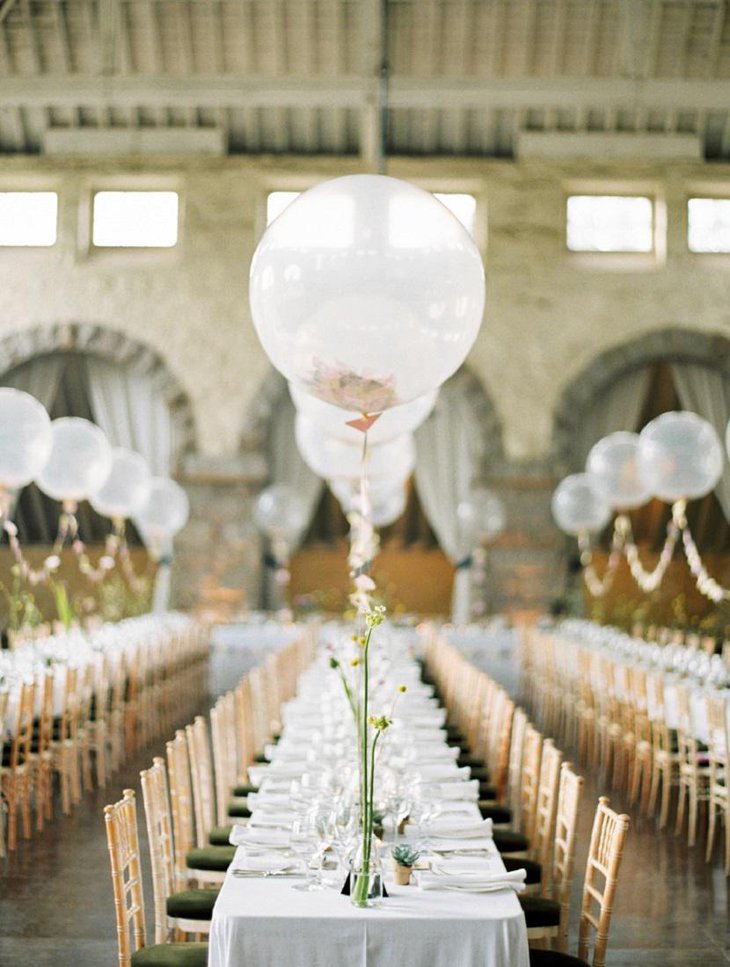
[(718, 193), (19, 188)]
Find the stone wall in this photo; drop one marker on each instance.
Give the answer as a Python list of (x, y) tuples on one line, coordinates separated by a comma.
[(550, 315)]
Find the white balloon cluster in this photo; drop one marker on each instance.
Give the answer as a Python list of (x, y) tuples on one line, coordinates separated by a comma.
[(367, 294), (71, 460), (677, 457)]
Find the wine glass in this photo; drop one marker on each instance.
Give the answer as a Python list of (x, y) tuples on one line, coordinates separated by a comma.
[(304, 843)]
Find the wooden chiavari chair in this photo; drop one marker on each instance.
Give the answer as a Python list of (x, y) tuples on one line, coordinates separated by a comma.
[(719, 774), (548, 916), (123, 842), (177, 912), (65, 746), (16, 770), (602, 867), (694, 769), (42, 754), (665, 757), (641, 766), (210, 861)]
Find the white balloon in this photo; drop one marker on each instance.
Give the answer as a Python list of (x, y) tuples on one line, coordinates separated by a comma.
[(680, 456), (164, 513), (386, 491), (481, 517), (367, 292), (613, 465), (25, 438), (80, 460), (578, 505), (127, 485), (392, 423), (387, 512), (332, 459), (280, 512)]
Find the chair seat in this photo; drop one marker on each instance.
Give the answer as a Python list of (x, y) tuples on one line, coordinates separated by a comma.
[(533, 869), (481, 773), (217, 858), (475, 763), (171, 955), (261, 757), (508, 842), (486, 791), (498, 814), (220, 836), (238, 809), (553, 958), (244, 788), (539, 911), (192, 904)]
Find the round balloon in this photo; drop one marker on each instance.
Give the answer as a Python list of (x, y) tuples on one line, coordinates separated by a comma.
[(481, 517), (163, 514), (280, 512), (385, 492), (126, 487), (578, 506), (367, 292), (80, 460), (386, 512), (25, 438), (334, 420), (332, 459), (680, 456), (613, 465)]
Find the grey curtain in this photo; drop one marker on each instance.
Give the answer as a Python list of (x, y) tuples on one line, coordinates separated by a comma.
[(618, 408)]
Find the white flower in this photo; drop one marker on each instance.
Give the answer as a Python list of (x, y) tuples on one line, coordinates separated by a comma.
[(10, 528), (363, 582), (52, 562)]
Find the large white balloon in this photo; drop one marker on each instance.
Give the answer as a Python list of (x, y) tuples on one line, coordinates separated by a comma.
[(280, 512), (164, 513), (80, 460), (385, 492), (481, 517), (367, 292), (386, 512), (126, 488), (332, 459), (578, 506), (613, 465), (680, 456), (334, 420), (25, 438)]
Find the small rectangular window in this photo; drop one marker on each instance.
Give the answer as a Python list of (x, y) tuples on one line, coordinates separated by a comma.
[(135, 219), (708, 224), (610, 223), (28, 218)]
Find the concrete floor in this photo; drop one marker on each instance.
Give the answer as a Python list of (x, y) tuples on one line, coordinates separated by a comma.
[(56, 907)]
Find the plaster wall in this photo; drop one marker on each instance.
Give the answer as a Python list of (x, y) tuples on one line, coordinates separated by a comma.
[(549, 312)]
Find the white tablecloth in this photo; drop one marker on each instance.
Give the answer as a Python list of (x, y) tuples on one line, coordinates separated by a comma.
[(266, 923), (269, 923)]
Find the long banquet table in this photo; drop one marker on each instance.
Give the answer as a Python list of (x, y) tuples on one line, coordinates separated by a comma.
[(267, 922)]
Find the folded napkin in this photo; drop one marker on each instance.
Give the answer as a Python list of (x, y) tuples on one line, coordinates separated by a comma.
[(248, 836), (443, 772), (263, 863), (267, 800), (452, 827), (432, 754), (473, 882), (273, 818), (468, 791)]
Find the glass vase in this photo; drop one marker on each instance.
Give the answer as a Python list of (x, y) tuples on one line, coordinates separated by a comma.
[(366, 876)]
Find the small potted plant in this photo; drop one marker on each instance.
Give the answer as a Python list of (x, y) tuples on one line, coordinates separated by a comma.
[(405, 858)]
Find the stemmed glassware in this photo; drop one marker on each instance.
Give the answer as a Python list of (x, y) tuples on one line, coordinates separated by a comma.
[(305, 843)]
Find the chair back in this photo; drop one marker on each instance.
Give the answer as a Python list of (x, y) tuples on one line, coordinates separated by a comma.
[(566, 828), (181, 804), (717, 745), (599, 888), (531, 756), (122, 840), (45, 722), (201, 773), (23, 729), (159, 835), (514, 775), (223, 736), (541, 844)]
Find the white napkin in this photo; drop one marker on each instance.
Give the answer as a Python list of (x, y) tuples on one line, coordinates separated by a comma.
[(246, 836), (443, 845), (257, 800), (452, 827), (454, 790), (473, 882), (279, 818), (443, 772)]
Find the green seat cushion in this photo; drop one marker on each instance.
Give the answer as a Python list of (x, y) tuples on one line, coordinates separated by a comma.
[(553, 958), (486, 791), (171, 955), (219, 836), (192, 904), (480, 773), (498, 814), (539, 911), (261, 757), (533, 869), (213, 858), (508, 842), (475, 762), (238, 809), (244, 788)]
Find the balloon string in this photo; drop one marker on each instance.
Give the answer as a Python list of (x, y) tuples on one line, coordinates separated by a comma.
[(705, 583), (596, 585)]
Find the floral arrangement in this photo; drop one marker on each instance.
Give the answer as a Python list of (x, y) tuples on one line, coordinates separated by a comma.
[(357, 392)]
